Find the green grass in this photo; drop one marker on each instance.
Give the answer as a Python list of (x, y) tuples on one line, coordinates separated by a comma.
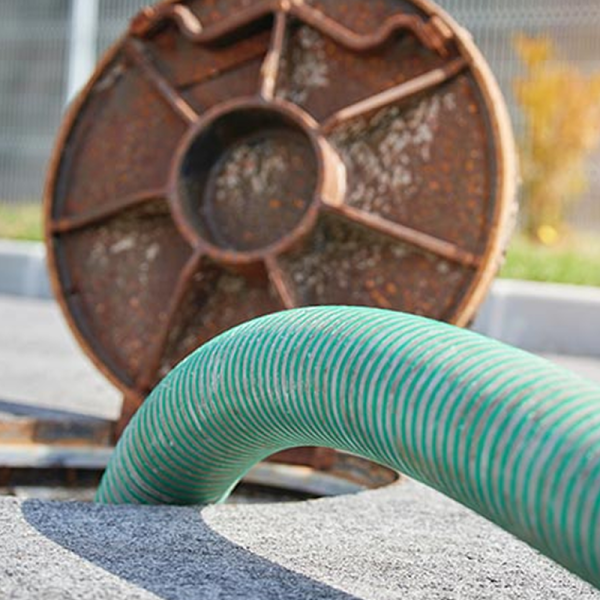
[(575, 260), (21, 222)]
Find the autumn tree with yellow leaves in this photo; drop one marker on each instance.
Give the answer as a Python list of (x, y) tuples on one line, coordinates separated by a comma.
[(561, 106)]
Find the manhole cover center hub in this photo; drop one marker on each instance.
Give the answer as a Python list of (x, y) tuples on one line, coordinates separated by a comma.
[(247, 177)]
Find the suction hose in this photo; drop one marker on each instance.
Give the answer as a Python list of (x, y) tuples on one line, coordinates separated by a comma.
[(505, 433)]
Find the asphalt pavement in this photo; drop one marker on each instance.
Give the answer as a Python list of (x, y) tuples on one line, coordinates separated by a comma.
[(401, 542)]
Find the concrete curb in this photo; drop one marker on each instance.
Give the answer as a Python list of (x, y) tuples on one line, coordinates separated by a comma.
[(538, 317), (543, 318), (23, 270)]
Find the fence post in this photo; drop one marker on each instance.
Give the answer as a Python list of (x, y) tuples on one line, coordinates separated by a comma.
[(83, 38)]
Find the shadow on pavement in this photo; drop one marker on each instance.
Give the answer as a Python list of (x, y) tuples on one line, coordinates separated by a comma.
[(170, 552)]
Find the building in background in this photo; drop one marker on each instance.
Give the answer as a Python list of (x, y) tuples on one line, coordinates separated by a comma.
[(37, 63)]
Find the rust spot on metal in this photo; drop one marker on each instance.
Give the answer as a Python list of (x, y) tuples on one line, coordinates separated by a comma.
[(231, 158)]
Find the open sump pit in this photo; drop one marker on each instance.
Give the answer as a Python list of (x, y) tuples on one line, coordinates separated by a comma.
[(60, 455), (267, 482)]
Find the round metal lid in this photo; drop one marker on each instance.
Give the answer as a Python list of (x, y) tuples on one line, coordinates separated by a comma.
[(230, 158)]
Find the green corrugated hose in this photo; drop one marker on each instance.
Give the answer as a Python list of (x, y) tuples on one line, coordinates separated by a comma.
[(503, 432)]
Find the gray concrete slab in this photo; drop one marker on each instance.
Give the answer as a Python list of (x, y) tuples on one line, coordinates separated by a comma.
[(402, 542), (41, 364), (23, 269), (541, 317), (581, 365)]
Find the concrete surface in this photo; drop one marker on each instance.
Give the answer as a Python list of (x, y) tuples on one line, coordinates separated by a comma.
[(543, 318), (583, 366), (533, 316), (23, 269), (41, 363), (401, 542)]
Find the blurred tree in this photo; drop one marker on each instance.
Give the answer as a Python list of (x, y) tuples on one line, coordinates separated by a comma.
[(562, 110)]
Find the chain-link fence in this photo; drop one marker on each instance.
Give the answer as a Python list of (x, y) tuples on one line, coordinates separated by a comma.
[(36, 62)]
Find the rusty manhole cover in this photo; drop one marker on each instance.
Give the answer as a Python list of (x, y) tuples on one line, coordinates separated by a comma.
[(231, 158)]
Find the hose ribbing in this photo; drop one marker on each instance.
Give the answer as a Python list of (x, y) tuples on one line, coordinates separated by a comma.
[(503, 432)]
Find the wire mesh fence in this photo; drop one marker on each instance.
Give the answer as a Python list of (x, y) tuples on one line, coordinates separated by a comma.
[(35, 56), (33, 49)]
